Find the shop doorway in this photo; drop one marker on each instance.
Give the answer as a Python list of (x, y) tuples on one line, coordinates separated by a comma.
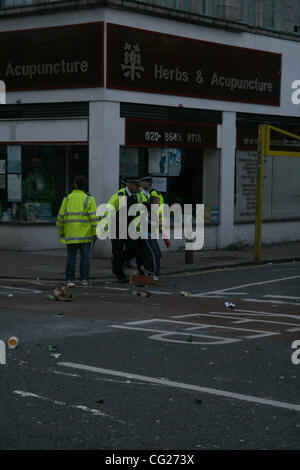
[(187, 188)]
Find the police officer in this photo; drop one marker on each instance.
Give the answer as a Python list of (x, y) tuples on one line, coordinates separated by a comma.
[(76, 224), (124, 249), (146, 190)]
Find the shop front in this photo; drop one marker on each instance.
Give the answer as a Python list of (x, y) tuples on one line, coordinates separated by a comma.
[(183, 158)]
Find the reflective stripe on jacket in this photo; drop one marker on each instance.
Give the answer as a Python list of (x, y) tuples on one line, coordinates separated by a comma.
[(77, 219)]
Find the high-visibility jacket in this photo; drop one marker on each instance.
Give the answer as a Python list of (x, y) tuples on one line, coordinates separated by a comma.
[(145, 197), (115, 203), (77, 220)]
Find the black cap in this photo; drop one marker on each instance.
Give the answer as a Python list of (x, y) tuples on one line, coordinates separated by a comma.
[(147, 177), (134, 180)]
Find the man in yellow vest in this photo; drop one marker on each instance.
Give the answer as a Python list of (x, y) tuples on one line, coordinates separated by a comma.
[(76, 224), (123, 249)]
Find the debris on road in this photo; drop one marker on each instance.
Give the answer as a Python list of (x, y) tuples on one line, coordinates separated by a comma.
[(186, 294), (13, 342), (141, 293), (61, 293), (141, 279), (198, 401), (59, 314), (189, 339), (50, 297), (229, 305), (101, 401), (53, 348)]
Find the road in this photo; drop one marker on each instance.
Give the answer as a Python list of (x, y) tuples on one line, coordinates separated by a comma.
[(160, 372)]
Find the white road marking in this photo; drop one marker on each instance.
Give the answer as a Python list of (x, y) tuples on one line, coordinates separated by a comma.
[(238, 320), (192, 327), (184, 386), (57, 402), (251, 313), (161, 334), (22, 289), (291, 297), (241, 286), (270, 301), (127, 289), (116, 288)]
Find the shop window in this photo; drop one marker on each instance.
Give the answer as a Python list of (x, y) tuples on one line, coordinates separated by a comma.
[(182, 175), (35, 178)]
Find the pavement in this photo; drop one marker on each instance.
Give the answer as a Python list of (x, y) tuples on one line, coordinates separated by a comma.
[(50, 264)]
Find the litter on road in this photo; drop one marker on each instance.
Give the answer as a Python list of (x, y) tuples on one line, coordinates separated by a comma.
[(229, 305), (140, 293), (186, 294), (61, 293), (13, 342), (189, 339)]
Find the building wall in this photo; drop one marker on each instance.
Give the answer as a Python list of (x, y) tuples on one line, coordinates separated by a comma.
[(27, 237), (106, 128)]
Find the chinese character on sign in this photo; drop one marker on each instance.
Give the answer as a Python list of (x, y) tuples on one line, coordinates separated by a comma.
[(132, 62)]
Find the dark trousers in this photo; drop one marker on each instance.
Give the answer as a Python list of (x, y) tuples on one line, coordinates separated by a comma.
[(85, 249), (151, 255), (123, 251)]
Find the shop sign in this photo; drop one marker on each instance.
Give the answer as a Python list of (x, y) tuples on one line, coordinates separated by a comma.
[(148, 133), (247, 139), (153, 62), (56, 57)]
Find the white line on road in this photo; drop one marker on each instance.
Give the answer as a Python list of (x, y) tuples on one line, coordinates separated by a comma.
[(270, 301), (57, 402), (22, 289), (255, 313), (291, 297), (127, 289), (169, 383), (229, 289), (161, 335)]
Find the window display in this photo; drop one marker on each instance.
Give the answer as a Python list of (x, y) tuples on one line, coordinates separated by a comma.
[(182, 175), (34, 178)]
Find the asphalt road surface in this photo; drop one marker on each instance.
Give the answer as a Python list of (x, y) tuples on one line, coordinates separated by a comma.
[(160, 372)]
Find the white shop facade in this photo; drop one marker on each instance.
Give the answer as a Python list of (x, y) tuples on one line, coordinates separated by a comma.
[(101, 97)]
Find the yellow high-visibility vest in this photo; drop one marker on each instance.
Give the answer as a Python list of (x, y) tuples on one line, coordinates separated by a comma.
[(77, 219)]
